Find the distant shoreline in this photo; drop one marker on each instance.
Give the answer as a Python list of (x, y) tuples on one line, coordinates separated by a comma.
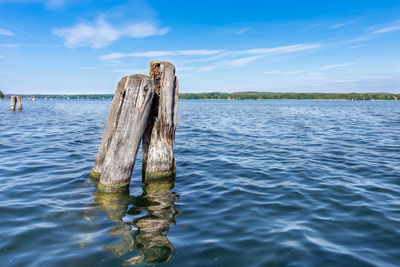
[(237, 96)]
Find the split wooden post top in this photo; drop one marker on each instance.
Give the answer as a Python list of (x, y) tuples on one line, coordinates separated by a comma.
[(159, 136), (123, 132)]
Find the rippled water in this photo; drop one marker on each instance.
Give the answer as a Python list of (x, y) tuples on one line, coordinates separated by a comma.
[(259, 183)]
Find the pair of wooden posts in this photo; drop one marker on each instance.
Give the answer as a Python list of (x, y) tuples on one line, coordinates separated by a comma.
[(143, 109), (15, 100)]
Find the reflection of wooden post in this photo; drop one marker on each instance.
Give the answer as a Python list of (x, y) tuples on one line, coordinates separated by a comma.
[(123, 132), (154, 213), (13, 102), (159, 136), (19, 103)]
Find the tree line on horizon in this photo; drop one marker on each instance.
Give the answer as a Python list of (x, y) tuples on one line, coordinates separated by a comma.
[(237, 96), (289, 96)]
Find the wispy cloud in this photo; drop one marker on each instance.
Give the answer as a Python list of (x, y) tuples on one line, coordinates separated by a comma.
[(259, 53), (356, 46), (131, 71), (294, 72), (6, 32), (280, 49), (208, 68), (337, 66), (270, 72), (243, 60), (243, 30), (256, 53), (342, 24), (387, 29), (10, 45), (202, 52), (51, 4), (101, 33), (221, 58)]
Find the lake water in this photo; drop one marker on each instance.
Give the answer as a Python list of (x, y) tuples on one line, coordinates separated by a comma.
[(259, 183)]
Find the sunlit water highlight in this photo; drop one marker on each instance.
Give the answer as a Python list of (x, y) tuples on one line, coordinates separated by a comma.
[(259, 183)]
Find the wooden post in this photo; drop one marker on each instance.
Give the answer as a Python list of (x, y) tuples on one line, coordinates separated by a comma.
[(123, 132), (19, 103), (159, 136), (13, 102)]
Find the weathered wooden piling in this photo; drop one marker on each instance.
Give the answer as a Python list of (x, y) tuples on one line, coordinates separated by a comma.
[(159, 136), (13, 102), (123, 132), (19, 103)]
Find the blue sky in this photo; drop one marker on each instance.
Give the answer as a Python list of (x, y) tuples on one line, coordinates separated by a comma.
[(85, 46)]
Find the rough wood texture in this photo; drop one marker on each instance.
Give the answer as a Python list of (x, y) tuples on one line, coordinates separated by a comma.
[(19, 103), (109, 129), (13, 102), (159, 136), (123, 132)]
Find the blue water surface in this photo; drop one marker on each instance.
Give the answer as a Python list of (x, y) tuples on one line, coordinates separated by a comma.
[(259, 183)]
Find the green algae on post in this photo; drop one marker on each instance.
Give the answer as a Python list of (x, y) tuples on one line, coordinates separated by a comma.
[(113, 188), (95, 175), (158, 175)]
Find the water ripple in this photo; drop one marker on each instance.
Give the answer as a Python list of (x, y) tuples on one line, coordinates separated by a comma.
[(259, 183)]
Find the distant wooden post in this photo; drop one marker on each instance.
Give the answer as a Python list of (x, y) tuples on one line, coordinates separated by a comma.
[(159, 136), (19, 103), (13, 102), (123, 132)]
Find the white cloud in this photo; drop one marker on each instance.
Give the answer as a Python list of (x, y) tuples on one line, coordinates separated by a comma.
[(243, 30), (101, 33), (6, 32), (337, 66), (270, 72), (144, 29), (388, 29)]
